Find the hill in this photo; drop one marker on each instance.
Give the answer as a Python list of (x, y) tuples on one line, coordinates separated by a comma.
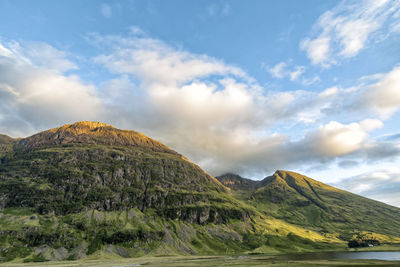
[(303, 201), (6, 144), (91, 190), (94, 165), (5, 139)]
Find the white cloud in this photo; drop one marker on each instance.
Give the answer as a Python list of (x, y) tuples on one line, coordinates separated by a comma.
[(384, 96), (267, 153), (284, 69), (380, 184), (38, 54), (318, 50), (329, 92), (279, 70), (295, 74), (196, 99), (5, 52), (33, 94), (377, 95), (106, 10), (336, 139), (210, 111), (155, 62), (346, 29)]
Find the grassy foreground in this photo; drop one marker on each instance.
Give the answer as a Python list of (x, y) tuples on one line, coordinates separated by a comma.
[(237, 261)]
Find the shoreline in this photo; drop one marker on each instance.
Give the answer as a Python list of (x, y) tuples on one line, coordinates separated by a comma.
[(283, 259)]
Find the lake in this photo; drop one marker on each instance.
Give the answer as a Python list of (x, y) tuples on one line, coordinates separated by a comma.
[(353, 255)]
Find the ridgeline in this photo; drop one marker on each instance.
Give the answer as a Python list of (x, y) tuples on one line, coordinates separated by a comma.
[(91, 189)]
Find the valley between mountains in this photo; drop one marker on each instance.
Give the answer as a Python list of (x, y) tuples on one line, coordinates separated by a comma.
[(88, 189)]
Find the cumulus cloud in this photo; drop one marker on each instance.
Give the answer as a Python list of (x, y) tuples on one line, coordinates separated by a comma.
[(202, 106), (279, 70), (212, 112), (277, 151), (384, 96), (34, 93), (38, 54), (377, 95), (329, 92), (336, 139), (381, 184), (221, 125), (317, 50), (296, 73), (155, 62), (346, 29)]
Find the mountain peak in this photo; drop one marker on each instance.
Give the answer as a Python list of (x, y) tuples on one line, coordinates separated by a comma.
[(87, 132), (87, 124), (284, 174), (235, 181), (292, 178)]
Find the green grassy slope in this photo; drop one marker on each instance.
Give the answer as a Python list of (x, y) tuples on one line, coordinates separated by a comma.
[(95, 166), (5, 139), (303, 201), (132, 233), (90, 188), (6, 144)]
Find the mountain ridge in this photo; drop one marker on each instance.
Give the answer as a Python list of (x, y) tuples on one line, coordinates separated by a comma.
[(87, 132), (88, 187), (110, 169), (5, 139), (307, 202)]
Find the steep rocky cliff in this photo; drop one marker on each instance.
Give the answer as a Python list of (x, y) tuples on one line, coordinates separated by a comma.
[(88, 187), (91, 165)]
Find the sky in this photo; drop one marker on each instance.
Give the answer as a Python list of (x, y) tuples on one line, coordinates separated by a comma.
[(246, 87)]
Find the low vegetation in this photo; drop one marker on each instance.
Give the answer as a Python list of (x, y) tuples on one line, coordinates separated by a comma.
[(313, 205), (89, 190)]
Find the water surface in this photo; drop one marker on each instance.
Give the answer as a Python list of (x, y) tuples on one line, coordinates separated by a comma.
[(351, 255)]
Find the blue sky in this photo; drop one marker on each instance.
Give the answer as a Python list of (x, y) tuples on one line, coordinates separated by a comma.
[(236, 86)]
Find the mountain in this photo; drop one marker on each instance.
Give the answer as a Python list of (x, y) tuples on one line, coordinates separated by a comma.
[(238, 183), (6, 143), (92, 133), (5, 139), (91, 190), (91, 165), (303, 201)]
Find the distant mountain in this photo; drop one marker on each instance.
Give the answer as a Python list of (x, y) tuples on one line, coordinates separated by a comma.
[(301, 200), (236, 182)]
